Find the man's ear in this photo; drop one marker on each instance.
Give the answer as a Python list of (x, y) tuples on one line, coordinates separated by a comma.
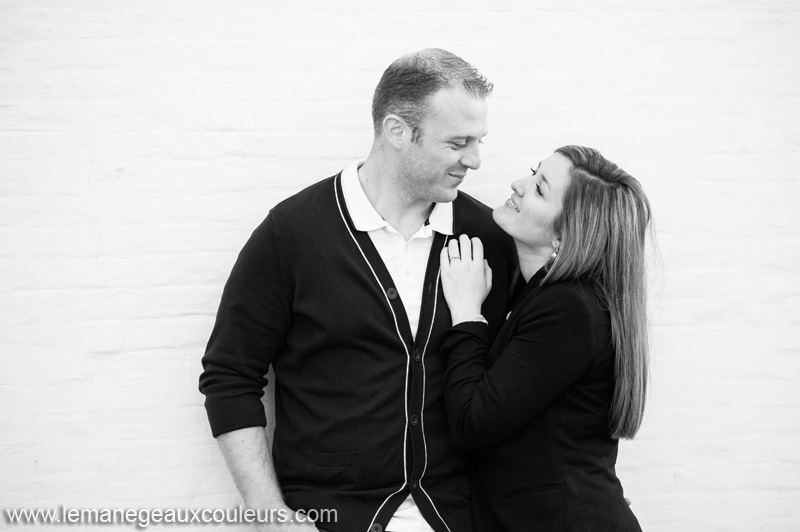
[(396, 131)]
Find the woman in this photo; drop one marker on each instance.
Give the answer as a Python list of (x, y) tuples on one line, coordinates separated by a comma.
[(545, 404)]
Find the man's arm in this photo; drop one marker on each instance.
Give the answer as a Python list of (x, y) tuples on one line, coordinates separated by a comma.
[(252, 320), (250, 463), (247, 456)]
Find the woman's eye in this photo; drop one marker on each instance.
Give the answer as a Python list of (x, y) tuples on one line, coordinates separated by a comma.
[(538, 189), (533, 171)]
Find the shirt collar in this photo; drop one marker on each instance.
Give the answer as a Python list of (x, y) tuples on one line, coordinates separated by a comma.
[(366, 218)]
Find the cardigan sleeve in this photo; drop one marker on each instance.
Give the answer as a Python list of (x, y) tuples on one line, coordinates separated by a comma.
[(251, 323), (549, 350)]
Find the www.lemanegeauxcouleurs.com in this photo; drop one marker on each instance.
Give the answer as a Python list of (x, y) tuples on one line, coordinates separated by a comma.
[(144, 517)]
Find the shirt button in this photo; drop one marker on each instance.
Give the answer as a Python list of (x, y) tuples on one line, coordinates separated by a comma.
[(414, 420), (391, 293), (417, 355), (376, 527)]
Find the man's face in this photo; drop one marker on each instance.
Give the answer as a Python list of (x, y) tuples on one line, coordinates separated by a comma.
[(435, 165)]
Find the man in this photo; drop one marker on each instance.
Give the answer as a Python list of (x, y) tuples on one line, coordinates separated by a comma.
[(339, 290)]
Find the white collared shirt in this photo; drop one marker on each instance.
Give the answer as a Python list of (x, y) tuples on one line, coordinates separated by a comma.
[(406, 261)]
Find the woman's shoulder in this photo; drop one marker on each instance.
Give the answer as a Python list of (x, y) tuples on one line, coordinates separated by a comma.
[(568, 313), (570, 309), (575, 291), (577, 298)]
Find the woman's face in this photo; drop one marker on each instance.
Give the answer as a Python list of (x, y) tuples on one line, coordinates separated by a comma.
[(529, 213)]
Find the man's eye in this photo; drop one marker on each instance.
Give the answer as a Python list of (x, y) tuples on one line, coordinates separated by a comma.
[(458, 146)]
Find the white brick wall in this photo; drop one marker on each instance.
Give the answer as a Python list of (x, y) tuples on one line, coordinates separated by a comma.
[(141, 142)]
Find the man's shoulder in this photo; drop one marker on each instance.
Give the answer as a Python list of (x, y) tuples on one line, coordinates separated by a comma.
[(310, 199), (474, 218), (309, 211), (467, 206)]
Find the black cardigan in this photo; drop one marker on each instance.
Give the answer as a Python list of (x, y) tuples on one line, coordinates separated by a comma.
[(360, 414), (538, 416)]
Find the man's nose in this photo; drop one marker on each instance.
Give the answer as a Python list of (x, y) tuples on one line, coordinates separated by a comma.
[(472, 157)]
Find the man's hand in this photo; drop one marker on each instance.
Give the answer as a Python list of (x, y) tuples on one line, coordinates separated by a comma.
[(250, 463)]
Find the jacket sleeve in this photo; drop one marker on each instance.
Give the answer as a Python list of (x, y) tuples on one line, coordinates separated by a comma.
[(550, 349), (251, 323)]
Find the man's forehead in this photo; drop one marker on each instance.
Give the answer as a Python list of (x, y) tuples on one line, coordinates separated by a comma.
[(454, 108), (454, 96)]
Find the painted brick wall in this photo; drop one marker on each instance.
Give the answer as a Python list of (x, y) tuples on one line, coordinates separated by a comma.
[(141, 143)]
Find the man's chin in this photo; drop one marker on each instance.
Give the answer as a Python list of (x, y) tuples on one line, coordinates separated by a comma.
[(447, 196)]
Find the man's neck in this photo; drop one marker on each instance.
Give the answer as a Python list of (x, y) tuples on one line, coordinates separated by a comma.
[(404, 215)]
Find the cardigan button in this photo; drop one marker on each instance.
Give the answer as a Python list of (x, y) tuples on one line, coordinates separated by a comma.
[(376, 527), (391, 293), (417, 355), (414, 420), (414, 486)]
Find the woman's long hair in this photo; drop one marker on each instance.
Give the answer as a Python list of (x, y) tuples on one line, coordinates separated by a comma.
[(603, 226)]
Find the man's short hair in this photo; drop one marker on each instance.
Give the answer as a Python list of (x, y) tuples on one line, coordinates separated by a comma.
[(407, 85)]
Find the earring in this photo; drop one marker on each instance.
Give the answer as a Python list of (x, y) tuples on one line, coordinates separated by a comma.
[(555, 251)]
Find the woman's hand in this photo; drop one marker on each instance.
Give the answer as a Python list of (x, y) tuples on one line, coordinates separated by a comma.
[(466, 277)]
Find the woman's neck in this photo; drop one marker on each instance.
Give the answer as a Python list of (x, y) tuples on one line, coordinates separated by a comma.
[(531, 260)]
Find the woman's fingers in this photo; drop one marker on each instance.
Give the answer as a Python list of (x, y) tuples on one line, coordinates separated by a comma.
[(465, 275), (466, 247), (466, 250), (453, 252), (444, 259), (477, 250)]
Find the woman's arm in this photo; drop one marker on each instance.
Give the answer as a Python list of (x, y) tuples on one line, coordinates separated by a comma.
[(550, 349)]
